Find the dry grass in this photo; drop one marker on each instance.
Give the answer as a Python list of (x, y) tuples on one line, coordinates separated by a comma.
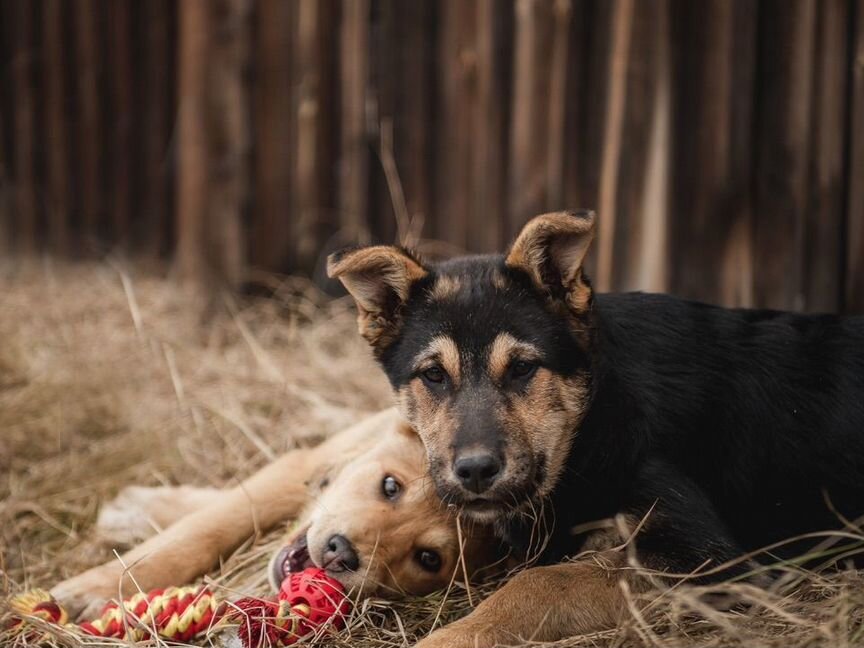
[(107, 380)]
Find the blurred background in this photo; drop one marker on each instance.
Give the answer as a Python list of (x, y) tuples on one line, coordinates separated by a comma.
[(721, 141)]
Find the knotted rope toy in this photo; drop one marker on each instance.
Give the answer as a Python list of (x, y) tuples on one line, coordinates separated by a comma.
[(307, 600)]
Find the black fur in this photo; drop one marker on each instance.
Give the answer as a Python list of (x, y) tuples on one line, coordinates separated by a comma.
[(739, 426)]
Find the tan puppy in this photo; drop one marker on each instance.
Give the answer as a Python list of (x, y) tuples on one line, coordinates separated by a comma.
[(367, 514)]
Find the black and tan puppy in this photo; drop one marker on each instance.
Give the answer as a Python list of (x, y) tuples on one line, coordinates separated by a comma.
[(536, 398)]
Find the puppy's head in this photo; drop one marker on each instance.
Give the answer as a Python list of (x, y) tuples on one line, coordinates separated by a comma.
[(377, 526), (488, 356)]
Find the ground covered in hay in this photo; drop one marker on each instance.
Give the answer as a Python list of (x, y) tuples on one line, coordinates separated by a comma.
[(110, 377)]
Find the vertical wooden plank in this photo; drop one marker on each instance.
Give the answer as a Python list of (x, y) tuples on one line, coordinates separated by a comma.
[(154, 211), (561, 15), (783, 142), (586, 70), (639, 258), (534, 30), (412, 109), (213, 140), (88, 68), (120, 65), (57, 167), (227, 139), (854, 302), (354, 145), (271, 232), (23, 134), (457, 68), (6, 199), (490, 118), (823, 235), (192, 167), (616, 93), (311, 109), (711, 224)]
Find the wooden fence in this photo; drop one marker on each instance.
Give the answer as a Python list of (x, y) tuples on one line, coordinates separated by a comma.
[(721, 141)]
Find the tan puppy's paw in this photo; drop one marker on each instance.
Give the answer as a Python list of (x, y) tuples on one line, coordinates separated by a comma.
[(86, 593), (140, 512), (448, 637)]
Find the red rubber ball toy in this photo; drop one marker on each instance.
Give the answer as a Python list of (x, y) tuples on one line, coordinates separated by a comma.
[(324, 595), (307, 600)]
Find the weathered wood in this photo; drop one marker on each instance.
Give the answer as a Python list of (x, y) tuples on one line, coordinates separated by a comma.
[(6, 198), (193, 160), (271, 232), (720, 141), (413, 107), (24, 180), (622, 21), (313, 201), (227, 139), (782, 143), (56, 130), (586, 100), (354, 145), (641, 220), (712, 203), (534, 32), (308, 116), (156, 103), (823, 227), (854, 294), (561, 15), (213, 141), (120, 150), (458, 87), (490, 119), (88, 71)]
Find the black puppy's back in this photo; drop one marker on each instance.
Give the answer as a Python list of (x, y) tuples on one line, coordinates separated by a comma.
[(763, 410)]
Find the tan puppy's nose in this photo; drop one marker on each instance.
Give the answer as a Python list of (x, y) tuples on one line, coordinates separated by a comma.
[(340, 555), (477, 472)]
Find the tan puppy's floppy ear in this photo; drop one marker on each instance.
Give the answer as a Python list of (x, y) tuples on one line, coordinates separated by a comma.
[(551, 248), (379, 278)]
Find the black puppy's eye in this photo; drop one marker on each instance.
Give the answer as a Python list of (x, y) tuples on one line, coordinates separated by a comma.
[(522, 369), (429, 560), (390, 487), (434, 375)]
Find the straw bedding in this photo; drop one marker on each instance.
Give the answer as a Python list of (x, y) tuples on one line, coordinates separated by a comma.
[(110, 377)]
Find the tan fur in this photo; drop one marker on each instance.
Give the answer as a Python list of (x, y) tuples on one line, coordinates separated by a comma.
[(544, 604), (356, 460), (438, 422), (504, 350), (445, 287), (561, 239), (442, 350), (544, 418), (500, 281), (372, 275)]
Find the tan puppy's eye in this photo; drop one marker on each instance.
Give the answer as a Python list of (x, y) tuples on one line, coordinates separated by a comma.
[(390, 487), (429, 560)]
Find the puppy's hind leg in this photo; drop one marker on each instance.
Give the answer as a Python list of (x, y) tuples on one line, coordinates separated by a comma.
[(139, 512)]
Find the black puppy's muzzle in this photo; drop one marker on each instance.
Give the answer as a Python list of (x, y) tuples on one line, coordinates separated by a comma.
[(477, 471)]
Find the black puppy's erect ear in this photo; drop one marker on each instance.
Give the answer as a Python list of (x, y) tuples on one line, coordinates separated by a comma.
[(379, 278), (551, 248)]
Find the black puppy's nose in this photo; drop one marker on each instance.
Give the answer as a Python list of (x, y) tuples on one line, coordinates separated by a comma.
[(340, 554), (477, 472)]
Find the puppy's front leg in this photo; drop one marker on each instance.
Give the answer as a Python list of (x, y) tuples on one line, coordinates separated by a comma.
[(543, 604)]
